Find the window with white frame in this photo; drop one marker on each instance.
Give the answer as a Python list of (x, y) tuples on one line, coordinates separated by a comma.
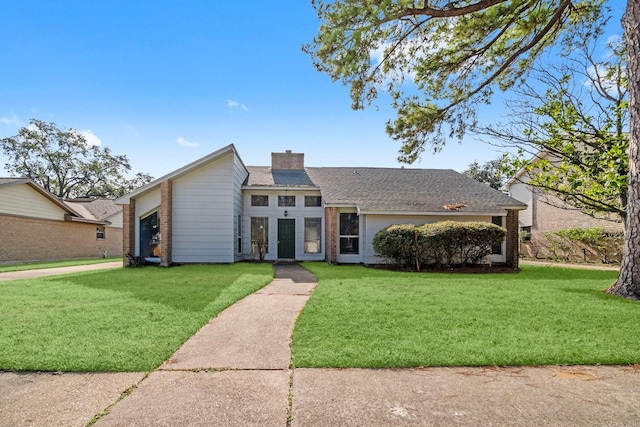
[(349, 233), (100, 233), (312, 233), (259, 235), (259, 200), (312, 201), (286, 201)]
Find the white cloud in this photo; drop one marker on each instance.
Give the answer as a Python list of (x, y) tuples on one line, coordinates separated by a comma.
[(235, 104), (13, 120), (91, 138), (183, 142)]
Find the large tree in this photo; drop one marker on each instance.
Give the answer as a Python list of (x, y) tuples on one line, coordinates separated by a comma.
[(456, 53), (489, 173), (62, 162), (568, 122)]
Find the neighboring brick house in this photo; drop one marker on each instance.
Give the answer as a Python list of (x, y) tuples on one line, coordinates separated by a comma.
[(217, 210), (37, 226), (546, 213)]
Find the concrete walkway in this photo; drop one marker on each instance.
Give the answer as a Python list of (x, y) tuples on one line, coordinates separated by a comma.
[(236, 372), (30, 274)]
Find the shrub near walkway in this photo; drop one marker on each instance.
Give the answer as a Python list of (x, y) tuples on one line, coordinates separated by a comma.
[(116, 320), (363, 317)]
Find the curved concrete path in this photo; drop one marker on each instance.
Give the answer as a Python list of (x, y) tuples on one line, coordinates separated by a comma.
[(236, 372)]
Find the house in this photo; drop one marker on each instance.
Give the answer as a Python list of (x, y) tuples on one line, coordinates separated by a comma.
[(217, 210), (546, 213), (37, 226)]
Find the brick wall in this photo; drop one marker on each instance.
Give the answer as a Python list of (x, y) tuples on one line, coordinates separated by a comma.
[(30, 239), (128, 230), (166, 223), (330, 234), (549, 217), (287, 160), (512, 243)]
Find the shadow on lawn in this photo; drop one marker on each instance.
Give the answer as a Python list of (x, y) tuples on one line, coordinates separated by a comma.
[(175, 287)]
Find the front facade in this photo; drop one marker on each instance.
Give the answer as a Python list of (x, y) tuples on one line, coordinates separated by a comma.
[(217, 210), (36, 226)]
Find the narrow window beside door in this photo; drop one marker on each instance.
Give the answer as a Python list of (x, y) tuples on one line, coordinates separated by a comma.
[(259, 235), (312, 233), (349, 233)]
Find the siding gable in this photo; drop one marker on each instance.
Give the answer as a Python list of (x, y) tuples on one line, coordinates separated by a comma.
[(23, 200), (203, 213)]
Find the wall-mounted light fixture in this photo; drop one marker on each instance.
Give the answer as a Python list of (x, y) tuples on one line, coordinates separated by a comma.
[(286, 214)]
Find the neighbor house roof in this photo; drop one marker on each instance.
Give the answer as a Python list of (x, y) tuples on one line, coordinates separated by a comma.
[(97, 209), (389, 190)]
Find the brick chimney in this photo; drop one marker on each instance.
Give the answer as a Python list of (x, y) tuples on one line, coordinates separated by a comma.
[(287, 160)]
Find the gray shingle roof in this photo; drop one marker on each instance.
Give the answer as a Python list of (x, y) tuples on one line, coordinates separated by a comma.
[(12, 180), (390, 190), (262, 176), (98, 209)]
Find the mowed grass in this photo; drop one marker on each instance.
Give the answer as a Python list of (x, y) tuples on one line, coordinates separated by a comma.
[(362, 317), (128, 319), (54, 264)]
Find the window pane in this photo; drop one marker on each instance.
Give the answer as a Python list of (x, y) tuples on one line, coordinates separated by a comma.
[(349, 224), (496, 249), (259, 200), (349, 245), (239, 236), (259, 235), (312, 232), (312, 201), (286, 201)]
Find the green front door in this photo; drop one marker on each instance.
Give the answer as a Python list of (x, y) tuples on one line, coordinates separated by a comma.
[(286, 238)]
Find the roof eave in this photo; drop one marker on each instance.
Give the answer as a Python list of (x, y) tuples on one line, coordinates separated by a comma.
[(280, 187), (70, 218), (434, 213)]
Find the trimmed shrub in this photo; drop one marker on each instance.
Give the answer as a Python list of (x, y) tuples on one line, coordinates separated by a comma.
[(403, 245), (440, 243)]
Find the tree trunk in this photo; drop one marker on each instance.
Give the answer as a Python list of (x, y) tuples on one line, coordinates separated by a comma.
[(628, 284)]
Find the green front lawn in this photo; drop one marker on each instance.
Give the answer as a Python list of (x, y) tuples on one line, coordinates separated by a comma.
[(362, 317), (54, 264), (128, 319)]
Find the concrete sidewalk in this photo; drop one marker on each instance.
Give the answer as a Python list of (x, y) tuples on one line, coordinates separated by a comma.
[(236, 372), (30, 274)]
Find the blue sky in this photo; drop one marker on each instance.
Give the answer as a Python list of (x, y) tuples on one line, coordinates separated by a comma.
[(168, 82)]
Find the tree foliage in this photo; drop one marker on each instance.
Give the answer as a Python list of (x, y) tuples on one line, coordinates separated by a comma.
[(454, 53), (571, 135), (488, 173), (62, 162)]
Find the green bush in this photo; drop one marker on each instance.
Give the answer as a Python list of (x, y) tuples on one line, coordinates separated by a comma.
[(440, 243), (403, 244), (588, 242)]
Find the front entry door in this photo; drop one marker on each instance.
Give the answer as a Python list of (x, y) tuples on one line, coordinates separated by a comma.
[(286, 238)]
